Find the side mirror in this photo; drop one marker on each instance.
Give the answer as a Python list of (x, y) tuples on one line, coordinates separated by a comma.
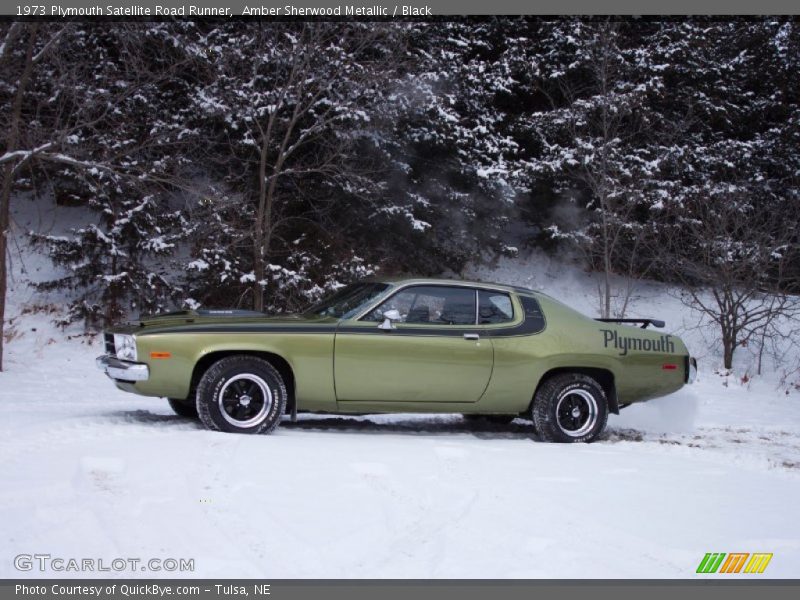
[(388, 319)]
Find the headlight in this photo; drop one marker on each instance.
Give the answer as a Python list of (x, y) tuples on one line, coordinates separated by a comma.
[(125, 346)]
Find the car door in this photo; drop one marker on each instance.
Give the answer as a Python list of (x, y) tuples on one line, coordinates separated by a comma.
[(434, 353)]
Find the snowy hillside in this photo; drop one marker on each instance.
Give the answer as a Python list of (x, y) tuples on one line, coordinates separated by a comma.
[(262, 164), (89, 471)]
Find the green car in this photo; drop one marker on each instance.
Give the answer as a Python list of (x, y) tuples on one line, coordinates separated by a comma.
[(483, 350)]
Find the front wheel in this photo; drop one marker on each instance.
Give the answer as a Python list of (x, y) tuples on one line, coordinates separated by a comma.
[(241, 394), (570, 407)]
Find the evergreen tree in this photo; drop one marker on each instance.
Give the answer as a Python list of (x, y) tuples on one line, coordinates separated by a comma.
[(117, 121), (290, 112), (263, 164)]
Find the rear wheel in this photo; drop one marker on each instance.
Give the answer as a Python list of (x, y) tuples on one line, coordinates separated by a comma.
[(183, 408), (570, 407), (241, 394)]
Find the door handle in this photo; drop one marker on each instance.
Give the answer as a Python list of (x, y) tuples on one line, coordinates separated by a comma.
[(471, 336)]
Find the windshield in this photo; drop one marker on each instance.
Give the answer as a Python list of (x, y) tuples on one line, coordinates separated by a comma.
[(346, 302)]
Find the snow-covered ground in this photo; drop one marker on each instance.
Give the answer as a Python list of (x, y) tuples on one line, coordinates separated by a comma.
[(89, 471)]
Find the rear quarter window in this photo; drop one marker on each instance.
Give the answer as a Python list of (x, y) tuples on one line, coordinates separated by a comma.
[(534, 318)]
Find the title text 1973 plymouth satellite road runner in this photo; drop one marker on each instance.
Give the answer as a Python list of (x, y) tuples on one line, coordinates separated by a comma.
[(415, 345)]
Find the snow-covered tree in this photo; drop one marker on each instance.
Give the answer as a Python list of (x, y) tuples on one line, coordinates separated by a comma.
[(264, 163), (15, 88), (455, 172), (729, 231), (113, 267), (104, 133), (596, 143), (288, 105)]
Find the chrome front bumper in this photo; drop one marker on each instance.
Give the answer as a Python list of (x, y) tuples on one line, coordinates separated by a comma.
[(122, 370)]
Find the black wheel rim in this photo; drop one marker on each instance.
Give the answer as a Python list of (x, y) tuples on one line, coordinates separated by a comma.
[(576, 412), (244, 400)]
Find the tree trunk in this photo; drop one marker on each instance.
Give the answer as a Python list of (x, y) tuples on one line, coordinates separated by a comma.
[(12, 141), (728, 346), (112, 304), (262, 234), (604, 174), (607, 278), (262, 237), (259, 270)]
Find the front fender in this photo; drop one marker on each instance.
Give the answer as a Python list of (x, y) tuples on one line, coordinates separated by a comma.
[(310, 357)]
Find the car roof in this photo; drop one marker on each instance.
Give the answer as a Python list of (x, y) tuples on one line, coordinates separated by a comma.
[(396, 281)]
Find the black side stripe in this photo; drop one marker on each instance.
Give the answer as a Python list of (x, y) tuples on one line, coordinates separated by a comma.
[(242, 328)]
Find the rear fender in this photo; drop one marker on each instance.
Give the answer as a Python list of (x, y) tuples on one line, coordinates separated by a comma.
[(603, 376)]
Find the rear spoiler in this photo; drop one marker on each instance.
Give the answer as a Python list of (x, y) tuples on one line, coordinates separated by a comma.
[(644, 322)]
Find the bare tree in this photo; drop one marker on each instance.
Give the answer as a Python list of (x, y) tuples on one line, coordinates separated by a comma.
[(308, 86), (598, 126), (11, 148), (70, 119), (733, 257)]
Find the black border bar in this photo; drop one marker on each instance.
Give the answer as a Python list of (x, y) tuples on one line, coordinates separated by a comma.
[(713, 587), (387, 9)]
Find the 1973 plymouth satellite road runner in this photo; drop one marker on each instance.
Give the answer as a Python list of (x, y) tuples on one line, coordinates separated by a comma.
[(416, 345)]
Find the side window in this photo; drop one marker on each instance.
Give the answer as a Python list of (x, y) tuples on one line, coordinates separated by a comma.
[(494, 307), (401, 302), (435, 305)]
